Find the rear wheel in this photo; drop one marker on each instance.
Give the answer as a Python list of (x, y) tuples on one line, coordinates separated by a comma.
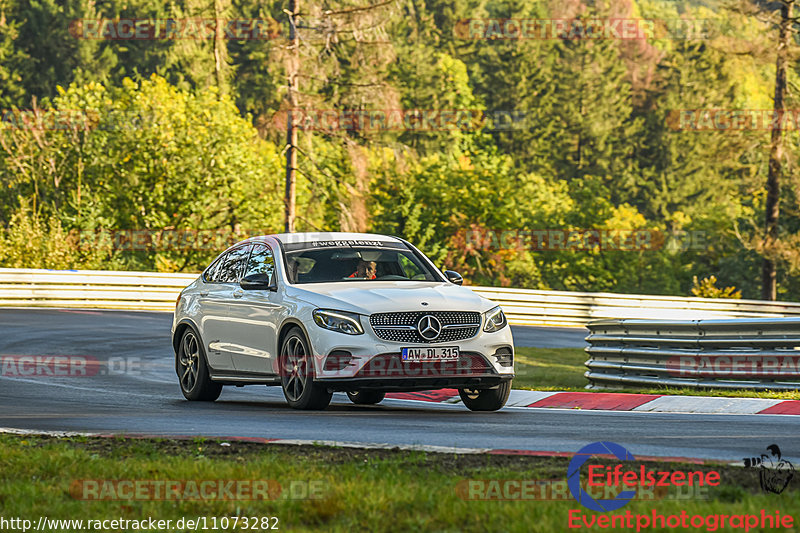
[(486, 399), (366, 397), (297, 374), (192, 370)]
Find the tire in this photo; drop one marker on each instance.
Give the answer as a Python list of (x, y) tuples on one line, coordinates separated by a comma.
[(297, 374), (366, 397), (193, 376), (486, 399)]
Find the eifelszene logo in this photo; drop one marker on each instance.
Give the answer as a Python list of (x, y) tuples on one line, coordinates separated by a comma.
[(614, 476), (574, 476)]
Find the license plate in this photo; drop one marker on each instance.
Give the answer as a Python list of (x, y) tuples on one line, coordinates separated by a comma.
[(438, 353)]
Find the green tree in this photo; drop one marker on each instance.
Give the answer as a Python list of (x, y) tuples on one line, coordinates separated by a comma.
[(151, 157)]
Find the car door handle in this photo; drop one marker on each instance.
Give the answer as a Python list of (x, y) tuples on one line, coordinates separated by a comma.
[(203, 294), (238, 293)]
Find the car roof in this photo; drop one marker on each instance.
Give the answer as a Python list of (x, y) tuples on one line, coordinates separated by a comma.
[(289, 238)]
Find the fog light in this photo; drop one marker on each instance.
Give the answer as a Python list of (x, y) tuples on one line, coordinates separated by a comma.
[(338, 360), (504, 356)]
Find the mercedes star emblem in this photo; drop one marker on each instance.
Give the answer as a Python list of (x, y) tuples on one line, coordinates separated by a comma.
[(429, 327)]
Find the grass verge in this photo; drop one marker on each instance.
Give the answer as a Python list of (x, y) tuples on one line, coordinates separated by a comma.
[(362, 490), (562, 369)]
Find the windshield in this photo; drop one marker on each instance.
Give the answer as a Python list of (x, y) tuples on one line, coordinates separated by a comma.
[(382, 261)]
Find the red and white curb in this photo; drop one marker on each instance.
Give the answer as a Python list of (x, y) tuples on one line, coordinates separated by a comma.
[(616, 401)]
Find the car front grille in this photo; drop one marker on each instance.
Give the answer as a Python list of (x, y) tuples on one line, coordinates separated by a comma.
[(402, 326), (391, 365)]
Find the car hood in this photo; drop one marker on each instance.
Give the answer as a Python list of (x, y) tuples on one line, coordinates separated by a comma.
[(367, 297)]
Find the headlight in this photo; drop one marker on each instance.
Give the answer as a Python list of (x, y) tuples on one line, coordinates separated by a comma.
[(340, 321), (495, 320)]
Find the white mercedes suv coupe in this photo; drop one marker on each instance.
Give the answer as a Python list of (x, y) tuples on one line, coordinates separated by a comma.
[(322, 312)]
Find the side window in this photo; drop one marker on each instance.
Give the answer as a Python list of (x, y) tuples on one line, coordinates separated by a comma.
[(261, 261), (211, 275), (231, 268)]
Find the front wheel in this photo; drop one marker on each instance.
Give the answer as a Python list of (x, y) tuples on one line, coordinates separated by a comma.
[(192, 370), (297, 374), (366, 397), (486, 399)]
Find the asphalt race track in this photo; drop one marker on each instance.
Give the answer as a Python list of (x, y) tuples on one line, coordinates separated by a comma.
[(135, 390), (541, 337)]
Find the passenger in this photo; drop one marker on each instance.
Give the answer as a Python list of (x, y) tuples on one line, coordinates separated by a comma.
[(365, 269)]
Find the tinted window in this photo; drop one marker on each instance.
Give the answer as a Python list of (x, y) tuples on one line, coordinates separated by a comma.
[(261, 261), (231, 268), (356, 264), (211, 273)]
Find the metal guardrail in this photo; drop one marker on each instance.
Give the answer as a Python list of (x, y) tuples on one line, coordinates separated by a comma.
[(725, 354), (562, 308), (98, 289), (158, 291)]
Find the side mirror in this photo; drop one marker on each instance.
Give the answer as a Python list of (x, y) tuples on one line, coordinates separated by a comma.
[(258, 282), (453, 277)]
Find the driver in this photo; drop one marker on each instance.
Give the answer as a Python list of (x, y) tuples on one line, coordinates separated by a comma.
[(365, 269)]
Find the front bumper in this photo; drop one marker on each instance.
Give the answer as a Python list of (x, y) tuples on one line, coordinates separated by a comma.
[(356, 362), (415, 384)]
